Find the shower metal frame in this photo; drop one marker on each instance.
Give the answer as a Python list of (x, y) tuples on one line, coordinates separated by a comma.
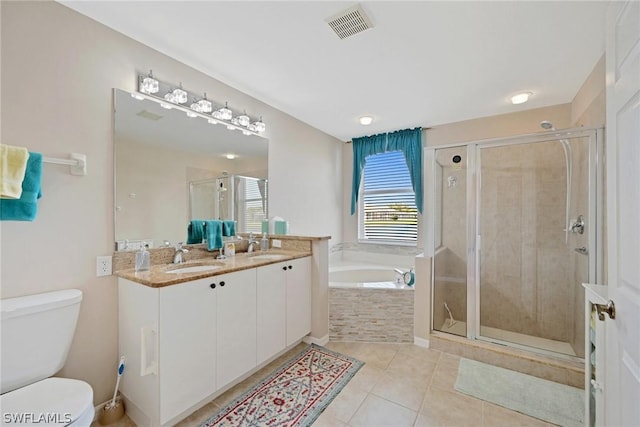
[(473, 148)]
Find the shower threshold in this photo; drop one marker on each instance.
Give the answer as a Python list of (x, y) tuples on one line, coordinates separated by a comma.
[(460, 328)]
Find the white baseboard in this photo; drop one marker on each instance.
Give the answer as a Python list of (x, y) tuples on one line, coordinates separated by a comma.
[(318, 341), (421, 342)]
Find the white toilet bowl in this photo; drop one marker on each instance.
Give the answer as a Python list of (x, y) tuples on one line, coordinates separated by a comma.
[(37, 331), (52, 401)]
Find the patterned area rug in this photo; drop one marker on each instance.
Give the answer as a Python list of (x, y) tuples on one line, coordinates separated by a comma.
[(546, 400), (294, 395)]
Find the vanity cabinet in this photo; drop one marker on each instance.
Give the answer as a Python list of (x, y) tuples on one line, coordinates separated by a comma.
[(236, 325), (188, 342), (298, 283), (271, 311), (187, 332)]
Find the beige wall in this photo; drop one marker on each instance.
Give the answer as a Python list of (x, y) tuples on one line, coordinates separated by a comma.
[(58, 71)]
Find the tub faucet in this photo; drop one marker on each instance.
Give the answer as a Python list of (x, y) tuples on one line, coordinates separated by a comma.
[(177, 257), (252, 241)]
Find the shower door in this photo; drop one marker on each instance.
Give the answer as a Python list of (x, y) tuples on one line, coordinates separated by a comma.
[(534, 223), (514, 235)]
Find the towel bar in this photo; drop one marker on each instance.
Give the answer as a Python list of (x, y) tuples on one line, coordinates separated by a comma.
[(77, 163)]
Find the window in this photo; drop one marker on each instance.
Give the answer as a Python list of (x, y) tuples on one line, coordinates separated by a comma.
[(387, 209), (251, 205)]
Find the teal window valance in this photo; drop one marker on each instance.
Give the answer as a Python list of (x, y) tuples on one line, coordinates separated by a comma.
[(409, 141)]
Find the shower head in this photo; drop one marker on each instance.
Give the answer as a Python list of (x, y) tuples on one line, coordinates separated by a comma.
[(546, 125)]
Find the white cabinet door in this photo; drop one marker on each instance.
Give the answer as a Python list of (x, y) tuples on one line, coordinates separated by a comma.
[(187, 345), (271, 311), (236, 325), (298, 298)]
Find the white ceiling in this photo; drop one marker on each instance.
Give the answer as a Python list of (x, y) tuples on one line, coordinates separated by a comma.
[(423, 63)]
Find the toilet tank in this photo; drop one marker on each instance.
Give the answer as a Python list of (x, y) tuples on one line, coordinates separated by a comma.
[(37, 331)]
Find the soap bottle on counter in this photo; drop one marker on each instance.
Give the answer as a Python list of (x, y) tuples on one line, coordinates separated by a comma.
[(143, 258), (264, 243)]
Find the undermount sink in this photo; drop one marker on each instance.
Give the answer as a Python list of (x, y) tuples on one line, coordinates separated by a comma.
[(194, 269), (267, 257)]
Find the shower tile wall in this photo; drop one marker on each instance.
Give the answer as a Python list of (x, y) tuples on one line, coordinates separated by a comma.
[(524, 259)]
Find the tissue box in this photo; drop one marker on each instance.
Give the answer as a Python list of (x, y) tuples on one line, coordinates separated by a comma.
[(281, 227)]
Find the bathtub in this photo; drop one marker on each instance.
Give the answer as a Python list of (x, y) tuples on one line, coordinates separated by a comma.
[(367, 304), (365, 276)]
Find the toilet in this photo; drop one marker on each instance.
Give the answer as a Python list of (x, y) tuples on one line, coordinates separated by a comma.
[(37, 331)]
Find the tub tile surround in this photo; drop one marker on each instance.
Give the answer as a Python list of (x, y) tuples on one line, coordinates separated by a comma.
[(371, 315)]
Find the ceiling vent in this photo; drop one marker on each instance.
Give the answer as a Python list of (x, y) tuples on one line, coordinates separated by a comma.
[(349, 22)]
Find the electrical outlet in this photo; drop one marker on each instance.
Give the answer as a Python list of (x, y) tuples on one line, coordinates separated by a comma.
[(103, 266), (276, 243)]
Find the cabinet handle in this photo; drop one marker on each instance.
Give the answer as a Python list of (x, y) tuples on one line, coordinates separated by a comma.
[(212, 286), (221, 283), (284, 268), (290, 267)]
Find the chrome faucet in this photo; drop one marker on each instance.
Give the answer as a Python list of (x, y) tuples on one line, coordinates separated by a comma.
[(252, 241), (177, 257)]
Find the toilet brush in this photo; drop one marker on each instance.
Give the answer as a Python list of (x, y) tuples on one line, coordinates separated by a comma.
[(115, 392), (114, 410)]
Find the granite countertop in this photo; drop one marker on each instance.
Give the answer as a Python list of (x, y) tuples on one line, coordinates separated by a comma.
[(158, 275)]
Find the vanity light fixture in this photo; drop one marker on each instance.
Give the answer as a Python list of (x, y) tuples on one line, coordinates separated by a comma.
[(205, 105), (244, 120), (520, 98), (177, 98), (260, 126), (149, 84), (225, 112)]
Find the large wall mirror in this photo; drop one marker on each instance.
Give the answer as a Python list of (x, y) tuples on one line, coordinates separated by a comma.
[(159, 155)]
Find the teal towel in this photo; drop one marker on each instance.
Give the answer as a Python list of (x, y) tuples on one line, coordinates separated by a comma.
[(26, 207), (228, 228), (195, 232), (213, 233)]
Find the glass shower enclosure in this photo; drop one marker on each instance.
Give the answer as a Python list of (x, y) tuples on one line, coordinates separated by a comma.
[(514, 235), (237, 197)]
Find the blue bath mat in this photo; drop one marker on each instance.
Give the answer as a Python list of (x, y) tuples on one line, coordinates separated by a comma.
[(546, 400)]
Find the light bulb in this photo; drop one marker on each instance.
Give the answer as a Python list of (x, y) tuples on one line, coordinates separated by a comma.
[(225, 112), (180, 95), (244, 120), (149, 84), (260, 126), (205, 105), (521, 98)]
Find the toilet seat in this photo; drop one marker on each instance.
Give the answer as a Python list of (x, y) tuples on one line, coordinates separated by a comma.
[(60, 401)]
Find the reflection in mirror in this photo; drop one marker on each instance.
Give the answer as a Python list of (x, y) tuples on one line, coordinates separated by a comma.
[(158, 153), (242, 198)]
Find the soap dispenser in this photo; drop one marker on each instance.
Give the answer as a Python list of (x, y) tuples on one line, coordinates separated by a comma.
[(143, 259), (264, 242)]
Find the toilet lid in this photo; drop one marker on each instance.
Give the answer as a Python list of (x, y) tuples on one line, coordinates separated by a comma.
[(50, 401)]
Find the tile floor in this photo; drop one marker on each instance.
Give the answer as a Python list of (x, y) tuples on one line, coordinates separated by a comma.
[(399, 385)]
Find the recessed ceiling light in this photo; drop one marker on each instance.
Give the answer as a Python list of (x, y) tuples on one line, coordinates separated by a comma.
[(521, 98), (366, 120), (231, 156)]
